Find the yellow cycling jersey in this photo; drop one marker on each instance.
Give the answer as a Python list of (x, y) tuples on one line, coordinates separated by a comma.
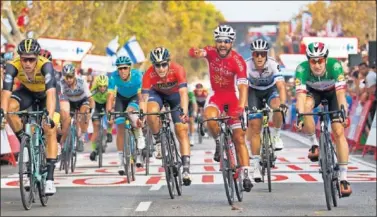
[(36, 84)]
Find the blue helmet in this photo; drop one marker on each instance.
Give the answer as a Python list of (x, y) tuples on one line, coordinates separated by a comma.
[(68, 69), (159, 54), (123, 60)]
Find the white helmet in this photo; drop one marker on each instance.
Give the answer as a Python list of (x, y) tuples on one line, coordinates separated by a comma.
[(224, 32), (159, 54), (259, 45)]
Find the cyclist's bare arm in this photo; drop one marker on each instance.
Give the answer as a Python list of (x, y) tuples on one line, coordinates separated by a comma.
[(110, 101), (300, 104), (280, 85), (341, 97), (197, 52), (10, 74), (184, 99)]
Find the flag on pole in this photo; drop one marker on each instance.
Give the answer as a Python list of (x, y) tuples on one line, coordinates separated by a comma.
[(133, 50)]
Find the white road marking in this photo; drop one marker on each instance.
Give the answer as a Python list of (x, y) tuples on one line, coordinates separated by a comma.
[(155, 187), (143, 206)]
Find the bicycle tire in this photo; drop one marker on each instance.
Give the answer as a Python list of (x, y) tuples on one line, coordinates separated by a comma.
[(177, 164), (227, 175), (127, 156), (74, 152), (67, 156), (99, 146), (27, 200), (325, 171), (334, 177), (43, 171), (133, 156), (200, 137), (238, 182), (148, 150), (268, 147), (166, 162)]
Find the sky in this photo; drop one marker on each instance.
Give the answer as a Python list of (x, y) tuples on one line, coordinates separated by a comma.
[(259, 10)]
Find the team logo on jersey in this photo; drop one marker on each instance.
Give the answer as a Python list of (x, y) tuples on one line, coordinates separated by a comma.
[(166, 86), (300, 69), (221, 80), (337, 66), (341, 78), (297, 82)]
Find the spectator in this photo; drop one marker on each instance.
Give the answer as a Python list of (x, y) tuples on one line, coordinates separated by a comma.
[(368, 85)]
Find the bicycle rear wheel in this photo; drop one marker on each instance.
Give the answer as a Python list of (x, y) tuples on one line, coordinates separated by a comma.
[(326, 175), (226, 169), (167, 161), (43, 171), (25, 171)]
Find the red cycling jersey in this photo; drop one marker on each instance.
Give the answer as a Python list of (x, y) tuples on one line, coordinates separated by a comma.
[(223, 71), (175, 79)]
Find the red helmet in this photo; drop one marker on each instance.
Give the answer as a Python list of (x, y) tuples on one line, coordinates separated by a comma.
[(199, 85), (46, 54)]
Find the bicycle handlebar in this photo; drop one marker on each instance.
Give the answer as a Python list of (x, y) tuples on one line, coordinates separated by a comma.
[(44, 112), (266, 109), (342, 113)]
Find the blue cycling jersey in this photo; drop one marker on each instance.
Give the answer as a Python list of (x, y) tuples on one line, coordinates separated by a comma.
[(128, 88)]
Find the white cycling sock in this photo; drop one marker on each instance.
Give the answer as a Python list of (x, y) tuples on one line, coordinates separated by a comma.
[(343, 172), (120, 156), (255, 160), (313, 139)]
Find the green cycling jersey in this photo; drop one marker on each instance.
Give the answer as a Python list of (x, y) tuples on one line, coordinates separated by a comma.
[(191, 96), (99, 97), (332, 79)]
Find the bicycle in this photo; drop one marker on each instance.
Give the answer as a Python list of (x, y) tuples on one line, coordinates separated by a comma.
[(199, 119), (129, 147), (32, 163), (69, 153), (229, 160), (101, 140), (268, 157), (147, 151), (171, 160), (329, 167)]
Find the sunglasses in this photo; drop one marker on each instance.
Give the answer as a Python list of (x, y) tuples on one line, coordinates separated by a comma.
[(124, 67), (163, 65), (317, 60), (102, 86), (262, 54), (226, 41), (28, 59)]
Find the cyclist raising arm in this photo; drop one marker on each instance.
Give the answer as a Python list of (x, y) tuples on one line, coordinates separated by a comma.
[(226, 66), (322, 78)]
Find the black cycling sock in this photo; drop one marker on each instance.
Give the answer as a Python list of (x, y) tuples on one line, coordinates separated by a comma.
[(50, 168), (186, 162)]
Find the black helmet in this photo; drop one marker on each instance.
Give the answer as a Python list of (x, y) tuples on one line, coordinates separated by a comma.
[(29, 46)]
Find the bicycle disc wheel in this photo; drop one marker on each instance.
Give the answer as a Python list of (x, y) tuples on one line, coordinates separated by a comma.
[(167, 161), (238, 182), (43, 171), (226, 171), (25, 171), (127, 156), (177, 165), (326, 175), (267, 144)]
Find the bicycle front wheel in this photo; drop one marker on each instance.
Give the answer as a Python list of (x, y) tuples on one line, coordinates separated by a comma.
[(99, 146), (267, 147), (127, 156), (43, 171), (334, 172), (238, 182), (167, 161), (326, 172), (73, 154), (147, 151), (177, 166), (25, 171), (225, 161)]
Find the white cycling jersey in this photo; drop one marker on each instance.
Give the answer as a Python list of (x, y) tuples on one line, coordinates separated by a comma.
[(265, 79), (79, 92)]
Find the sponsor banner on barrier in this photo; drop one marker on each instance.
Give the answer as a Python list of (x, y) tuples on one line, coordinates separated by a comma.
[(371, 141), (359, 117), (5, 147)]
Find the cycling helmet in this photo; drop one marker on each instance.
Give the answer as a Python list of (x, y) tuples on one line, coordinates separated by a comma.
[(123, 60), (46, 54), (159, 54), (69, 69), (28, 46), (259, 45), (101, 80), (224, 32), (199, 85), (317, 49)]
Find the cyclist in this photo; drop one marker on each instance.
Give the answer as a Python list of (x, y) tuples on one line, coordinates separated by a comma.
[(201, 95), (74, 96), (265, 82), (127, 81), (226, 68), (192, 111), (166, 81), (320, 78), (100, 93), (36, 75)]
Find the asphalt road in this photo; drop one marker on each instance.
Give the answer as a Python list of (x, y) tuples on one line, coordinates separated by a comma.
[(297, 189)]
